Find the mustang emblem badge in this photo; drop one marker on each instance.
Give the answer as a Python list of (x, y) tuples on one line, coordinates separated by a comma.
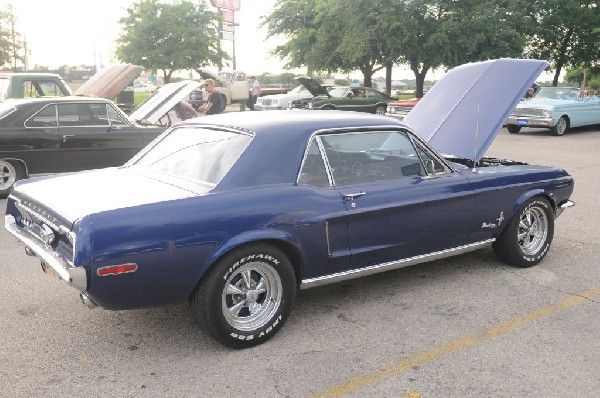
[(492, 225)]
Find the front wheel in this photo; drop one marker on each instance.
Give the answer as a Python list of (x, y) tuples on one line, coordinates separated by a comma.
[(527, 238), (561, 126), (10, 172), (246, 297), (513, 129)]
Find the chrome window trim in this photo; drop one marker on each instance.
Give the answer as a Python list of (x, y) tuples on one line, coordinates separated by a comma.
[(388, 266), (412, 136), (133, 161)]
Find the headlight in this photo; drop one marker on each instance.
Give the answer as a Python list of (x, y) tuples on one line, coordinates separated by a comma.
[(310, 105), (546, 113), (391, 109)]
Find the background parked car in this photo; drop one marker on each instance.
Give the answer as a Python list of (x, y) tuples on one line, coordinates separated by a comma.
[(282, 101), (144, 88), (51, 135), (400, 108), (361, 99), (556, 108), (32, 85)]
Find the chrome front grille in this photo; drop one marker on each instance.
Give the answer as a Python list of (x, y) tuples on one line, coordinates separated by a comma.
[(534, 112)]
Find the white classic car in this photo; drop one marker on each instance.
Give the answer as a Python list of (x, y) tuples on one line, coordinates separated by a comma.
[(281, 101), (556, 108)]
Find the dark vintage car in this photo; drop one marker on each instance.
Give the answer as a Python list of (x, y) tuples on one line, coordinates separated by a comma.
[(351, 98), (235, 212), (52, 135)]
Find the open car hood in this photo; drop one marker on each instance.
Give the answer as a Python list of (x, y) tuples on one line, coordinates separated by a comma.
[(162, 101), (464, 111), (208, 74), (312, 86), (110, 81)]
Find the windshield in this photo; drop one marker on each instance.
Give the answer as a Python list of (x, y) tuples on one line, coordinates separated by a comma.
[(299, 89), (195, 153), (337, 91), (566, 93)]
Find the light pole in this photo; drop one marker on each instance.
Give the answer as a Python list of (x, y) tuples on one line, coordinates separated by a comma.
[(233, 43)]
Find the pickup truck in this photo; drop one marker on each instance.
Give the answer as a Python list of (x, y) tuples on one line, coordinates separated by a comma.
[(233, 84), (31, 85)]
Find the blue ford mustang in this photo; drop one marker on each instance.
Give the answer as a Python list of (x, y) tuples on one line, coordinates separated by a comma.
[(235, 212)]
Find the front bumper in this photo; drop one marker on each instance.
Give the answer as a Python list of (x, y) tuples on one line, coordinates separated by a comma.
[(72, 276), (261, 107), (530, 121), (562, 206)]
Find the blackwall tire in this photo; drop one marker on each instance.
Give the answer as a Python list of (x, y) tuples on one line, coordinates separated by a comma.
[(10, 172), (379, 110), (528, 236), (513, 129), (246, 297)]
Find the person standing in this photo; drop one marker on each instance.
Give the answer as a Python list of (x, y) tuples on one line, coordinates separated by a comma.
[(214, 103), (254, 91)]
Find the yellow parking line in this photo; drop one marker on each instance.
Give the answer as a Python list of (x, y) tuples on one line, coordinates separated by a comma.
[(437, 352)]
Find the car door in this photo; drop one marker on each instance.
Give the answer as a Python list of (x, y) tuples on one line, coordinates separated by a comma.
[(92, 135), (37, 144), (396, 210)]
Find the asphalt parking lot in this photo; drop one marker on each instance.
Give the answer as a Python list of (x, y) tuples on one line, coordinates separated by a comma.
[(468, 326)]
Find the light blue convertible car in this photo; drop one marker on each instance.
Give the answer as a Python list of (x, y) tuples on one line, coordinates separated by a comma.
[(557, 108)]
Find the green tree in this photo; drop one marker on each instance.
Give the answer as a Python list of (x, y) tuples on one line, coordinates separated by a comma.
[(170, 37), (566, 34), (10, 43), (422, 34)]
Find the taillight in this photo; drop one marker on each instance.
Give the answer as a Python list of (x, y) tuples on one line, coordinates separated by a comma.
[(117, 269)]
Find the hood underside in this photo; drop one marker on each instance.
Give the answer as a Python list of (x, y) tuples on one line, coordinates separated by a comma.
[(313, 86), (463, 112), (110, 81), (163, 100)]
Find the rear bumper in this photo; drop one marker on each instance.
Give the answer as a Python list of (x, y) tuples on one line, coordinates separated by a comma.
[(75, 277), (260, 107)]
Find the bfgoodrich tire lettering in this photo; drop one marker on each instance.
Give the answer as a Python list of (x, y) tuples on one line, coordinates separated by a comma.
[(527, 238), (246, 297)]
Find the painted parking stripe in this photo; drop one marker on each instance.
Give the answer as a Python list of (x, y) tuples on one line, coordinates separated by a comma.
[(440, 351)]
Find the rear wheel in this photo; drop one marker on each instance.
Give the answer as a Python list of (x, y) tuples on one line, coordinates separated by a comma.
[(513, 129), (10, 172), (246, 297), (379, 110), (561, 127), (527, 238)]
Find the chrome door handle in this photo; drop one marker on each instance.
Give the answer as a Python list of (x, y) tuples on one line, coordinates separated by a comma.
[(65, 136), (348, 197)]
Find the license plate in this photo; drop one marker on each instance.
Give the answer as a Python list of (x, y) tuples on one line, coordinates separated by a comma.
[(522, 122), (48, 270)]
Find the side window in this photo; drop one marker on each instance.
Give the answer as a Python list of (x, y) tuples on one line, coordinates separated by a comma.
[(82, 115), (313, 169), (114, 117), (366, 157), (44, 118), (426, 155)]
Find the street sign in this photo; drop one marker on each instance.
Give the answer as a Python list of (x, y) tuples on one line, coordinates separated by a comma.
[(228, 16), (227, 27), (226, 35), (233, 5)]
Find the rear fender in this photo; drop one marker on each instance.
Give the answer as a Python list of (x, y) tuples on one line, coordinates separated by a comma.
[(283, 240)]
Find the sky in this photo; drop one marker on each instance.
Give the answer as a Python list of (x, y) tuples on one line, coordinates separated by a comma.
[(75, 32), (82, 32)]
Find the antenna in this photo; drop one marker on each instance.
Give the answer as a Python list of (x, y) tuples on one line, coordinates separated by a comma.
[(476, 137)]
